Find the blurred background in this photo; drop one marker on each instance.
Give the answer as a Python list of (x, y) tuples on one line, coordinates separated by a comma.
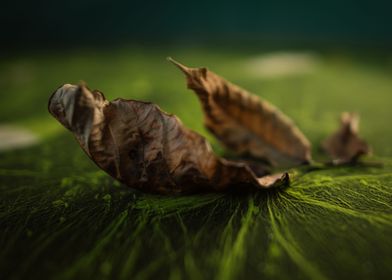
[(313, 59), (25, 24)]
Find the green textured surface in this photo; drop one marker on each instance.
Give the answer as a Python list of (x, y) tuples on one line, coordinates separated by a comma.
[(62, 218)]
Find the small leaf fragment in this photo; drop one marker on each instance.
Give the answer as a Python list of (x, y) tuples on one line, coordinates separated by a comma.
[(245, 123), (345, 146), (145, 148), (275, 180)]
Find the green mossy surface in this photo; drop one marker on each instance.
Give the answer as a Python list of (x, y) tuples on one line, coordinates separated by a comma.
[(62, 218)]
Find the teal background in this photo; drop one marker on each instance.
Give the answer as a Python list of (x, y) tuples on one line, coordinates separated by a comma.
[(71, 23)]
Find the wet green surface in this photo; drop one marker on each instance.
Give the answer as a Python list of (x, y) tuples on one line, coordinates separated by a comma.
[(62, 218)]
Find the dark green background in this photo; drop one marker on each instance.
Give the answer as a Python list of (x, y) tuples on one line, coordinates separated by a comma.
[(96, 22)]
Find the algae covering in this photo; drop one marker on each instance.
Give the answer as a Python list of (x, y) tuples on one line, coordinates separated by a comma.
[(62, 218)]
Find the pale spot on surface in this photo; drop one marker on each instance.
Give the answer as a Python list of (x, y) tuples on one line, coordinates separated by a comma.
[(12, 137), (282, 64)]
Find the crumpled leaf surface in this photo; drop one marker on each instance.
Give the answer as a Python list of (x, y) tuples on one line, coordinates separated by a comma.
[(146, 148), (345, 146), (245, 123)]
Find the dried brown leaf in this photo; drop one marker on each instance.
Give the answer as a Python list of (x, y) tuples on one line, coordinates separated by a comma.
[(345, 146), (146, 148), (245, 123)]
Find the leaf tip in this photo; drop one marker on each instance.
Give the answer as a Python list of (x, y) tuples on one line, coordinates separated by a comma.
[(180, 66), (280, 180), (350, 121), (284, 180)]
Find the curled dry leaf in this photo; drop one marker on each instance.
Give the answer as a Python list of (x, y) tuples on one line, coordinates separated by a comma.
[(345, 146), (244, 123), (146, 148)]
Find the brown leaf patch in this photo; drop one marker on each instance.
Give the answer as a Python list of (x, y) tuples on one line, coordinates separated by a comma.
[(245, 123), (146, 148), (345, 146)]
